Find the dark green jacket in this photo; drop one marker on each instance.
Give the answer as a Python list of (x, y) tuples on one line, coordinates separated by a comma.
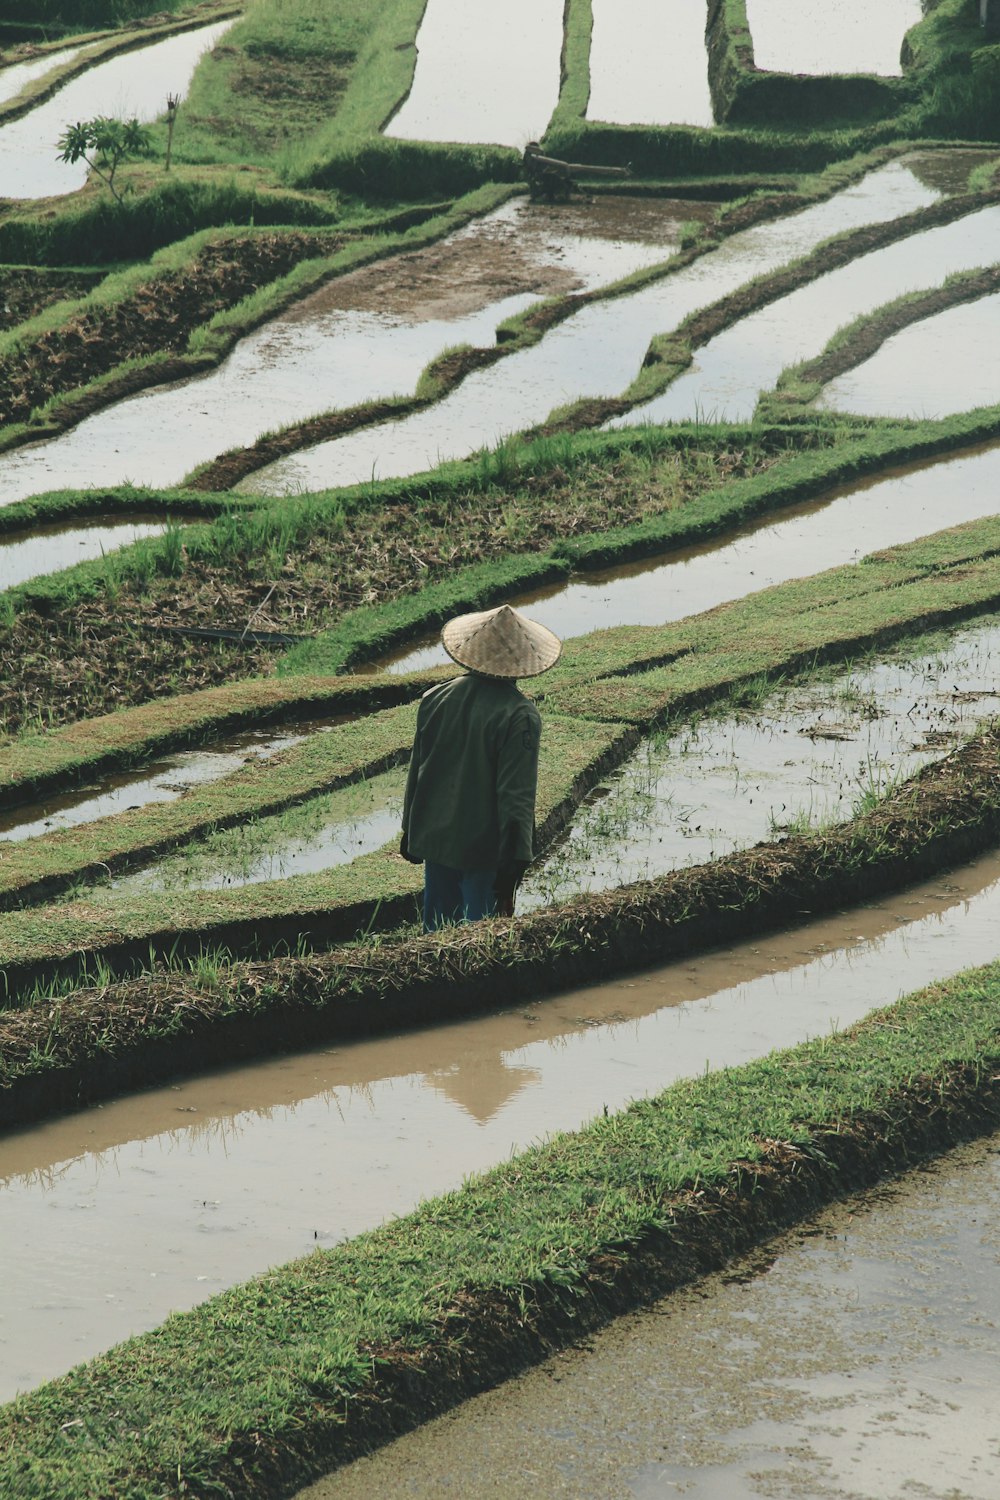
[(470, 794)]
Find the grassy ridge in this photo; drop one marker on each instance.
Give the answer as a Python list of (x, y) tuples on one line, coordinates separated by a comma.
[(84, 1038), (302, 1367), (377, 889), (610, 678)]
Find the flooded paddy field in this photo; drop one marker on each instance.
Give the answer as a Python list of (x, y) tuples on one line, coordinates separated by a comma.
[(940, 365), (597, 352), (846, 524), (149, 1204), (133, 84), (17, 76), (118, 1215), (649, 63), (48, 549), (163, 780), (730, 371), (808, 755), (852, 1358), (808, 36), (362, 336), (483, 73)]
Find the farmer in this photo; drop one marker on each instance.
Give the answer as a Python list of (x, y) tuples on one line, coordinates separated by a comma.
[(469, 809)]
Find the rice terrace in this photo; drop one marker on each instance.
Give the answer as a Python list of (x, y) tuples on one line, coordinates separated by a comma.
[(676, 326)]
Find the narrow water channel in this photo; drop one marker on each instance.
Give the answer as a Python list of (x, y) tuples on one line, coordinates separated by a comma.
[(50, 548), (945, 364), (846, 524), (728, 373), (362, 336), (132, 84), (649, 63), (812, 36), (113, 1217), (852, 1358), (164, 780), (484, 72), (596, 352), (17, 76), (812, 754)]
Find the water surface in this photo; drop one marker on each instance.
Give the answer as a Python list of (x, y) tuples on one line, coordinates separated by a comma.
[(485, 72), (132, 84), (649, 63), (940, 365), (814, 36), (111, 1218)]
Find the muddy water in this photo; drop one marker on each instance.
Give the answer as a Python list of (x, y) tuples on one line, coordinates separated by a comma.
[(18, 75), (50, 548), (111, 1218), (596, 352), (853, 1358), (809, 757), (649, 64), (945, 364), (484, 72), (330, 830), (163, 781), (845, 525), (365, 335), (134, 84), (812, 36), (813, 755), (729, 372)]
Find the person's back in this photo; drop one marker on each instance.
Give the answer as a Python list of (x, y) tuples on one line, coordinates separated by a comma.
[(470, 799), (469, 809)]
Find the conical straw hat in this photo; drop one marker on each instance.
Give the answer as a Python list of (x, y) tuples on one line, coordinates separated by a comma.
[(501, 643)]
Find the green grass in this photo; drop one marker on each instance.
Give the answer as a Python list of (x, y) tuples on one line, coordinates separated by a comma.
[(286, 1375)]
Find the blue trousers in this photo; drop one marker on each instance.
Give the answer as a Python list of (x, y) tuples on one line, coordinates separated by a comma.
[(457, 895)]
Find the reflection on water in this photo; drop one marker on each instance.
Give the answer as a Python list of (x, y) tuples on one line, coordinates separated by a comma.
[(814, 754), (133, 84), (813, 36), (596, 352), (941, 365), (16, 77), (729, 372), (163, 781), (363, 336), (841, 528), (484, 72), (649, 63), (50, 548), (112, 1217)]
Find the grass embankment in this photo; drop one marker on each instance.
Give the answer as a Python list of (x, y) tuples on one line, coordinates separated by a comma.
[(626, 681), (290, 78), (304, 1367), (40, 19), (377, 890), (671, 353), (148, 325), (799, 386), (304, 562), (130, 34), (80, 1039), (464, 538)]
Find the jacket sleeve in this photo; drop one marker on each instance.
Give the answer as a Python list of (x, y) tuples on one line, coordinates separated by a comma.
[(517, 782), (411, 785)]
